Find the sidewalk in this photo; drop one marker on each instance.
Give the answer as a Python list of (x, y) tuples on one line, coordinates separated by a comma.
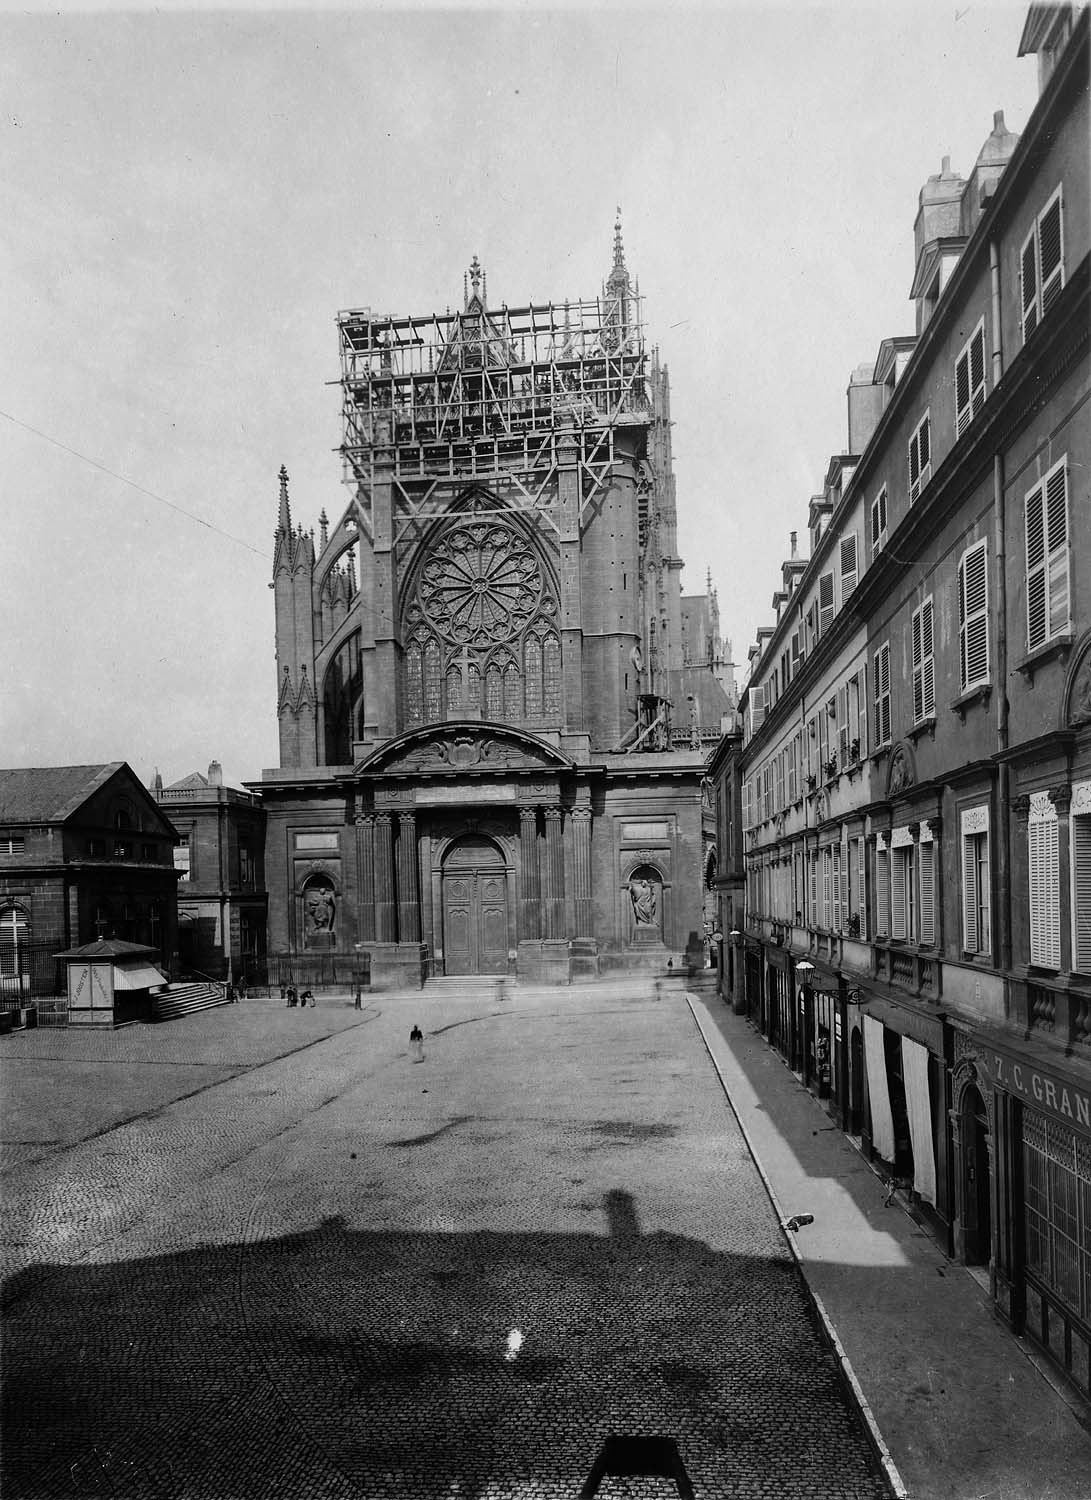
[(963, 1408)]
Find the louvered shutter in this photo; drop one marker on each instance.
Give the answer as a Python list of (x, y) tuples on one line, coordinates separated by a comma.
[(977, 370), (928, 894), (849, 566), (970, 935), (843, 726), (928, 660), (924, 448), (973, 616), (963, 407), (914, 469), (1045, 892), (825, 602), (1081, 894), (1056, 518), (918, 656), (897, 894), (882, 891), (863, 707), (1050, 254), (861, 902), (882, 694), (1028, 276), (757, 709), (837, 894), (1036, 566), (814, 888)]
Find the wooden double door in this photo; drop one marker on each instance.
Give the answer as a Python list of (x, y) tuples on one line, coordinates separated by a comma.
[(475, 908)]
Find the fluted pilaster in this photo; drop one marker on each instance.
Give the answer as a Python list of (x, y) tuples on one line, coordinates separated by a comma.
[(365, 875), (579, 826), (385, 908), (408, 881), (553, 875), (530, 885)]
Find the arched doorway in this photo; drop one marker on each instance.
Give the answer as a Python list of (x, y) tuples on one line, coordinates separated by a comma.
[(976, 1204), (475, 908)]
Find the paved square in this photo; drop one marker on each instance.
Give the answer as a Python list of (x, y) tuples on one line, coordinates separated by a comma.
[(332, 1271)]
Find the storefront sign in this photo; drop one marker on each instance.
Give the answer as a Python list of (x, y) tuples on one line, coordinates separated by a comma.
[(1037, 1088)]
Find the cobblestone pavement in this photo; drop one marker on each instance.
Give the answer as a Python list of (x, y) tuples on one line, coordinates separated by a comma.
[(335, 1272)]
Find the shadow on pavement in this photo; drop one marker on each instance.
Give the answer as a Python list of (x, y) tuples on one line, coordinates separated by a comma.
[(422, 1364)]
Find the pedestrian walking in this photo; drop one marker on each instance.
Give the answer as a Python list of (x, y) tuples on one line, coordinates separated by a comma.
[(293, 996), (416, 1044)]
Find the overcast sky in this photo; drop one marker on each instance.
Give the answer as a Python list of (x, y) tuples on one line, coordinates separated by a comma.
[(190, 196)]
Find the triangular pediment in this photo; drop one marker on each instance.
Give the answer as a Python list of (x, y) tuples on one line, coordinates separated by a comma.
[(462, 747)]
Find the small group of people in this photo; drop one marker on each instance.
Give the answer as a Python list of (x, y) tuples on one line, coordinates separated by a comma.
[(294, 997)]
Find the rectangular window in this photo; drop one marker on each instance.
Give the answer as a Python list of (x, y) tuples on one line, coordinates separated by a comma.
[(976, 905), (837, 901), (182, 860), (973, 616), (11, 843), (902, 915), (927, 862), (246, 865), (920, 457), (1046, 511), (147, 852), (1041, 264), (862, 705), (1057, 1218), (844, 738), (122, 849), (814, 888), (827, 872), (878, 522), (1081, 893), (859, 909), (825, 602), (850, 572), (924, 666), (970, 380), (1043, 860), (882, 695), (757, 709)]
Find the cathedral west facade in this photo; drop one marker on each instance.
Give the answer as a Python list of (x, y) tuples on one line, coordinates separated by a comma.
[(491, 733)]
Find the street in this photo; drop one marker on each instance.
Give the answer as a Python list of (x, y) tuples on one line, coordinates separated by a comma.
[(327, 1270)]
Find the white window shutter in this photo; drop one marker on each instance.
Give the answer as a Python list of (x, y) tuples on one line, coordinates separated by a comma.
[(970, 935), (861, 900), (849, 566), (918, 657), (928, 659), (974, 615), (1034, 517), (897, 894), (1028, 277), (1056, 519), (1050, 254), (825, 602), (882, 891), (1045, 893), (963, 391), (928, 894), (1081, 894), (977, 369)]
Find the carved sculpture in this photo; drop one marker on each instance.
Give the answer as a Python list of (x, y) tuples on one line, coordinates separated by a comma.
[(643, 895), (320, 908)]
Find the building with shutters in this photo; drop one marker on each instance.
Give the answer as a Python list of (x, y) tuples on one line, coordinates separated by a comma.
[(914, 771), (492, 733)]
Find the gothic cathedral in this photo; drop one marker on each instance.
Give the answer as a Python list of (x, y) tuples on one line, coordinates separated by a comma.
[(492, 731)]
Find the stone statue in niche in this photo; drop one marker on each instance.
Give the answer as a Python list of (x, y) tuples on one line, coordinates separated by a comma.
[(320, 909), (645, 901), (1080, 703)]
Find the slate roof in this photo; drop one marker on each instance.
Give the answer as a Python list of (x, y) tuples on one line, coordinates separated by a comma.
[(50, 794), (191, 783), (712, 701)]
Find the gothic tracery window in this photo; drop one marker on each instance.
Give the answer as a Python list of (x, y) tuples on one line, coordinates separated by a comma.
[(480, 626)]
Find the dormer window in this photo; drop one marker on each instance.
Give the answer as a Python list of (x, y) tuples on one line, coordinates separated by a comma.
[(920, 457)]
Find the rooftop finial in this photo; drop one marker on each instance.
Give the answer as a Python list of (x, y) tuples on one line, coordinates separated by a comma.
[(475, 275), (285, 517), (619, 251)]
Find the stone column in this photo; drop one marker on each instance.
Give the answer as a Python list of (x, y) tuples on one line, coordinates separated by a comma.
[(385, 926), (408, 883), (365, 876), (530, 885), (553, 875), (579, 822)]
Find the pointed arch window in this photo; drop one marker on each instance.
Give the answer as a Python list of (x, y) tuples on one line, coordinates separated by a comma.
[(533, 660), (454, 689), (552, 677), (432, 680), (494, 693), (414, 683), (513, 693)]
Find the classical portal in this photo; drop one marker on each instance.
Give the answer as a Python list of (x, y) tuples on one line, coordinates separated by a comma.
[(494, 702)]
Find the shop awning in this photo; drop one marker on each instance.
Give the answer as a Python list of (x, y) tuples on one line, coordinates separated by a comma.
[(142, 978)]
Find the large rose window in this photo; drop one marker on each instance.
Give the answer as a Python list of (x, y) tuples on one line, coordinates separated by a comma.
[(481, 584), (481, 629)]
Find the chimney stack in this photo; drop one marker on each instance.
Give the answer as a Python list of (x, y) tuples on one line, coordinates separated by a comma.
[(215, 773)]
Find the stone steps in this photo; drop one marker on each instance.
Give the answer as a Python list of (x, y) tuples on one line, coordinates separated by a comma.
[(184, 999)]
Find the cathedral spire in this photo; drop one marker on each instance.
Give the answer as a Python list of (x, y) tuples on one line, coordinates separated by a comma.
[(475, 280), (619, 249), (284, 519)]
